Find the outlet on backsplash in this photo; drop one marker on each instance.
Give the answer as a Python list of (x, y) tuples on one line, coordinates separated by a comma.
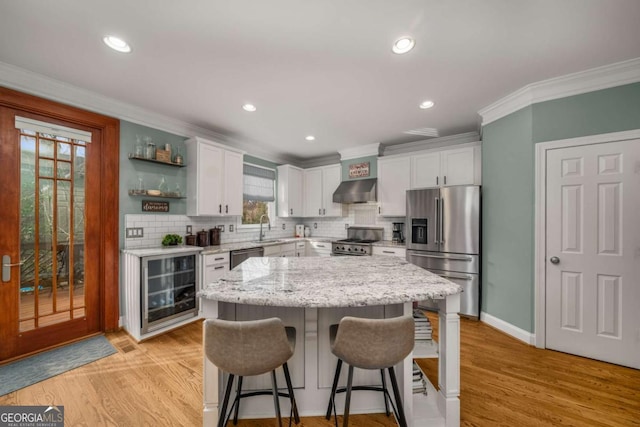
[(230, 228), (284, 226), (221, 227)]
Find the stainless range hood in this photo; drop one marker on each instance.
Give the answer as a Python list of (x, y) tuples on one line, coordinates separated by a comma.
[(356, 191)]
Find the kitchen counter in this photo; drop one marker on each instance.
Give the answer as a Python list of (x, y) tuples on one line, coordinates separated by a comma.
[(235, 246), (328, 282), (310, 294), (161, 250)]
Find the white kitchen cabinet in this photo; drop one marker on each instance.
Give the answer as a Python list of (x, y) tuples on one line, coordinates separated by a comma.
[(442, 168), (319, 185), (288, 250), (290, 195), (215, 266), (390, 251), (214, 179), (318, 248), (394, 179), (271, 251), (281, 250), (301, 248)]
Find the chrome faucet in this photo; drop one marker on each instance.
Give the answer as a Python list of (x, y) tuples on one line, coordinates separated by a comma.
[(268, 222)]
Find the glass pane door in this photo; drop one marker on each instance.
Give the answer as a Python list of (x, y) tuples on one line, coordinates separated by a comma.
[(52, 206)]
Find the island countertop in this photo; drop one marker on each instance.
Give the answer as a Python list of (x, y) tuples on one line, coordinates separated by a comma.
[(347, 281)]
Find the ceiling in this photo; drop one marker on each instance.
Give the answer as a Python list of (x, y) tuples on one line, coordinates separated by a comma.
[(322, 68)]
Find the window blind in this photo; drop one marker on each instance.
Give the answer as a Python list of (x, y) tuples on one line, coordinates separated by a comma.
[(259, 183), (52, 129)]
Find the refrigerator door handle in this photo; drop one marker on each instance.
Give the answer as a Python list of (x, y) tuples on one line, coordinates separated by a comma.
[(437, 220), (441, 222), (452, 258)]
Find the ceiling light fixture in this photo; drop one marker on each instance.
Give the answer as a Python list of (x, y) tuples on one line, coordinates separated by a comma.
[(310, 138), (249, 107), (427, 104), (403, 45), (117, 43)]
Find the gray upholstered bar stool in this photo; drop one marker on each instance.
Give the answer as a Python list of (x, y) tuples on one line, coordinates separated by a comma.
[(245, 348), (371, 344)]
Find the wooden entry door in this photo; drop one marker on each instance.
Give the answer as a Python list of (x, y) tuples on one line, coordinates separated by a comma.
[(52, 246), (593, 251)]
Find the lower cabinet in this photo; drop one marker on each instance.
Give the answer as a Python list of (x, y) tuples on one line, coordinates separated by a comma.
[(214, 267), (390, 251), (301, 248), (318, 248)]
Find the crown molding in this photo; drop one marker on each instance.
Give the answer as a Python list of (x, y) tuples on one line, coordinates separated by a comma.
[(618, 74), (431, 143), (360, 151), (45, 87)]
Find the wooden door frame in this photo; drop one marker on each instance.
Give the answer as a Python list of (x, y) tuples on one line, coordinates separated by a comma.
[(540, 236), (109, 190)]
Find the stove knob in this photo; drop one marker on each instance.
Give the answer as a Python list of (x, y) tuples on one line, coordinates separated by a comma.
[(349, 249), (361, 249)]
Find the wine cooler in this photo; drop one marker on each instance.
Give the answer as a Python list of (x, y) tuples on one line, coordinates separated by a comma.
[(160, 287), (168, 290)]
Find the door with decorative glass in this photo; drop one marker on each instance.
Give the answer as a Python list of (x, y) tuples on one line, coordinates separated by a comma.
[(49, 290)]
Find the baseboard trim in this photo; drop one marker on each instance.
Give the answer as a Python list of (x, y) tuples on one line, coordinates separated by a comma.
[(508, 328)]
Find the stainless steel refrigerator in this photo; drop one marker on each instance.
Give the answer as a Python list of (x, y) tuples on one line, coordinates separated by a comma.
[(443, 236)]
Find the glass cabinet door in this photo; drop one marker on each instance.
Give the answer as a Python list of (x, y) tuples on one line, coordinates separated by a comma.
[(169, 289)]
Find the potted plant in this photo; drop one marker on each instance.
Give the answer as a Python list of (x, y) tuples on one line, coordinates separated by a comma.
[(172, 240)]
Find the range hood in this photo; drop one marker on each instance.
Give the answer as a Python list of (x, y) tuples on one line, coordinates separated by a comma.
[(356, 191)]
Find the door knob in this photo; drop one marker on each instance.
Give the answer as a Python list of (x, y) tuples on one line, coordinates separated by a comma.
[(555, 260)]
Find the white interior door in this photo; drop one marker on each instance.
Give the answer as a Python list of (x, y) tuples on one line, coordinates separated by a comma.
[(593, 251)]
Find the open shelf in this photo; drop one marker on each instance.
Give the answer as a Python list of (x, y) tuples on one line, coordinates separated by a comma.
[(143, 193), (144, 159)]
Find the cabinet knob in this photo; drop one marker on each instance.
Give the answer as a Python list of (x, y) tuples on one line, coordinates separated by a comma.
[(220, 209), (226, 208), (291, 211)]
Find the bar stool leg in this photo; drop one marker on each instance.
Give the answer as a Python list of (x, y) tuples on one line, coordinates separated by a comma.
[(384, 391), (276, 401), (402, 421), (292, 398), (336, 377), (347, 401), (237, 402), (225, 402)]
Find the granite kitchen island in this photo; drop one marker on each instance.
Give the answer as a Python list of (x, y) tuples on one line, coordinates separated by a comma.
[(312, 293)]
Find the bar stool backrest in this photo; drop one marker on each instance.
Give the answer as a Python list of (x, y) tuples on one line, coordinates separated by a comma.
[(246, 348), (374, 343)]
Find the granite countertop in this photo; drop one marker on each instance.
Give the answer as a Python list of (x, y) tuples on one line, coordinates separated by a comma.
[(328, 282), (255, 244), (161, 250)]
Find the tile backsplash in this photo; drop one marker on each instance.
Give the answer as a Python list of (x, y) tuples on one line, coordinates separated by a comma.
[(155, 227)]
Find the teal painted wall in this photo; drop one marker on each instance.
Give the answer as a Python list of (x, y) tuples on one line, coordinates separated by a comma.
[(508, 188), (373, 167), (507, 219), (151, 173), (603, 111)]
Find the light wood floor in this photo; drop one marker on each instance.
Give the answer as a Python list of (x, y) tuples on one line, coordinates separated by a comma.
[(504, 383)]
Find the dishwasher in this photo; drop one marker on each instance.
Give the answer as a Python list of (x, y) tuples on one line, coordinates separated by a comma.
[(236, 257)]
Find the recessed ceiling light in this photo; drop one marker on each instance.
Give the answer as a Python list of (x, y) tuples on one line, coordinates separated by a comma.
[(310, 138), (249, 107), (403, 45), (117, 43), (427, 104)]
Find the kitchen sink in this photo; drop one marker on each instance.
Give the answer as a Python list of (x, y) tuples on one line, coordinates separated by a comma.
[(268, 241)]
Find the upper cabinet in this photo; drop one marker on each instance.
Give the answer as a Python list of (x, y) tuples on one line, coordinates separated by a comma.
[(443, 168), (214, 179), (290, 196), (319, 186), (394, 177)]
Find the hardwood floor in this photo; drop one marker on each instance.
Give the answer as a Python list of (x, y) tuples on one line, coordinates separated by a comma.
[(504, 383)]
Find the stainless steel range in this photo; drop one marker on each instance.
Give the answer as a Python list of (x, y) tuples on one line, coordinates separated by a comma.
[(359, 241)]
